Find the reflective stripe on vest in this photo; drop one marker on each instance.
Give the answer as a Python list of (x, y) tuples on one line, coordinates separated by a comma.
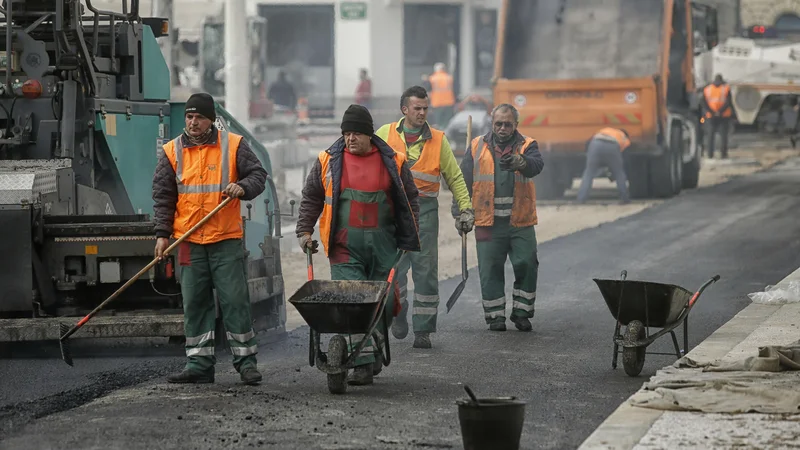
[(202, 173), (224, 143), (523, 204), (716, 97), (326, 218), (427, 169), (614, 135)]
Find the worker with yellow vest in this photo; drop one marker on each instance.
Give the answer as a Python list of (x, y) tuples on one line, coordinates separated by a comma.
[(193, 174), (499, 171), (443, 98), (605, 149), (364, 196), (430, 158), (717, 104)]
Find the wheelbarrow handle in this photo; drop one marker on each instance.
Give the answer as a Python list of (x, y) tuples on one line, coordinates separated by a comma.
[(697, 294), (309, 264)]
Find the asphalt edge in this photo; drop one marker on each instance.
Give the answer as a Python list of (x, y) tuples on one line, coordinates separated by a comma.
[(626, 426)]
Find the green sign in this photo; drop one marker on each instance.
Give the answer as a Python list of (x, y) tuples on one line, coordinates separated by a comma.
[(353, 10)]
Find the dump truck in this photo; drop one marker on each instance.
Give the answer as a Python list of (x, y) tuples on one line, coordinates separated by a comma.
[(574, 67), (85, 95)]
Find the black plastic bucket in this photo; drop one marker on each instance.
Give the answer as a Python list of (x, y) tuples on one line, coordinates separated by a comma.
[(495, 424)]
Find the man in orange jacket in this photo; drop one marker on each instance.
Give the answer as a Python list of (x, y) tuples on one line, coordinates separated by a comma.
[(605, 149), (442, 96), (193, 174), (717, 103)]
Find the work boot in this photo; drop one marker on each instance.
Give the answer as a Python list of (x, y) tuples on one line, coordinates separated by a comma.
[(191, 376), (400, 324), (361, 376), (497, 326), (522, 323), (250, 376), (377, 366), (422, 340)]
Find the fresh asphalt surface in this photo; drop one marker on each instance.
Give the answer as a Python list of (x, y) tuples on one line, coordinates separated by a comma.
[(746, 230)]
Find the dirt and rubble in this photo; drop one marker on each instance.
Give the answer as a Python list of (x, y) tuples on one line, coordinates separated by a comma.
[(556, 218)]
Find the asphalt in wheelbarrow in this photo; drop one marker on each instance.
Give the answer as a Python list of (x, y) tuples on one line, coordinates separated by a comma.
[(337, 297), (339, 306)]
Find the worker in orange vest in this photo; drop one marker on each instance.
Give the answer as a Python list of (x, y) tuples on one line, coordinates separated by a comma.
[(605, 149), (431, 159), (443, 98), (499, 169), (193, 174), (717, 104)]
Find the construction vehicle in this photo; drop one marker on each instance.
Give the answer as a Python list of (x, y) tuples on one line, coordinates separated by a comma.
[(574, 67), (764, 76), (86, 107)]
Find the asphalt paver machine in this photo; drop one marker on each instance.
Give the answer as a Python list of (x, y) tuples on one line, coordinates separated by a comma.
[(84, 110)]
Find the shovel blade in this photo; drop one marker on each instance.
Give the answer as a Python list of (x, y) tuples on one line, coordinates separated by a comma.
[(66, 354), (457, 293)]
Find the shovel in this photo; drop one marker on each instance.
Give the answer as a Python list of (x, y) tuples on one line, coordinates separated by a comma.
[(464, 273), (66, 331)]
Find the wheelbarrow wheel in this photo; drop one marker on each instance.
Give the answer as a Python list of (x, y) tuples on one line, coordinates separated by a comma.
[(633, 357), (337, 354)]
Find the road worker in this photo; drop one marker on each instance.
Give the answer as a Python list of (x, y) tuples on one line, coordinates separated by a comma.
[(443, 98), (430, 158), (499, 171), (193, 174), (717, 104), (605, 149), (367, 199)]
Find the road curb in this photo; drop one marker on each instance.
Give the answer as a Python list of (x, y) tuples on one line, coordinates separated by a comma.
[(626, 426)]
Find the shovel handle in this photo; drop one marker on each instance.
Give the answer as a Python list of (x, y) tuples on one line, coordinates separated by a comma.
[(146, 268), (464, 255), (309, 264)]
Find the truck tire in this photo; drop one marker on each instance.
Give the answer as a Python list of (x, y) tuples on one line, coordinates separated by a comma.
[(665, 175), (691, 173), (638, 178), (676, 146)]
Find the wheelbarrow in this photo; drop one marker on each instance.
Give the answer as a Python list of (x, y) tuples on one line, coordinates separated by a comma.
[(641, 305), (343, 308)]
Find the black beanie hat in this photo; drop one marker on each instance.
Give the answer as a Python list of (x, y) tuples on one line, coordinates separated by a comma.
[(201, 103), (357, 118)]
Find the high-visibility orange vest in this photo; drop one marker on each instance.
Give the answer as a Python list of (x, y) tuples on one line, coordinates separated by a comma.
[(523, 208), (326, 219), (441, 90), (426, 171), (615, 135), (202, 172), (715, 97)]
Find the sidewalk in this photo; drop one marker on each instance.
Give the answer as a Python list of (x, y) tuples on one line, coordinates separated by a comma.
[(758, 325)]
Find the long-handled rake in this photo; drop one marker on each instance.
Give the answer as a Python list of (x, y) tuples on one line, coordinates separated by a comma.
[(66, 331)]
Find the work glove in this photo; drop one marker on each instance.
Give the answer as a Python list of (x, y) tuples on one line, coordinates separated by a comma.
[(512, 162), (233, 190), (307, 243), (466, 221)]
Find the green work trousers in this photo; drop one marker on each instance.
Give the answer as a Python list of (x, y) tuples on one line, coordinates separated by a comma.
[(365, 249), (424, 267), (204, 268), (494, 245)]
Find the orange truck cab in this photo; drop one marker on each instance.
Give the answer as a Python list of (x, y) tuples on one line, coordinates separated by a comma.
[(572, 68)]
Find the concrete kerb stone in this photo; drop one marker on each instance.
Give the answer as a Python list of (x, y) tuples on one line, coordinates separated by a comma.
[(628, 424)]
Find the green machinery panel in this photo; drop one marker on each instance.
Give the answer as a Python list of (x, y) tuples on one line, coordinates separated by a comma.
[(155, 74), (133, 143)]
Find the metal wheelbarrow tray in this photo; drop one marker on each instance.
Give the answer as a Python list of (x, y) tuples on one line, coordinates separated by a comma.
[(342, 308), (641, 305)]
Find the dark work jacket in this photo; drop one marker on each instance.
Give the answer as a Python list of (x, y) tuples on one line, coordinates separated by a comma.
[(405, 196)]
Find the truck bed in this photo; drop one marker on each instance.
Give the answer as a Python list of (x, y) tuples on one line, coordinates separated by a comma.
[(596, 39)]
